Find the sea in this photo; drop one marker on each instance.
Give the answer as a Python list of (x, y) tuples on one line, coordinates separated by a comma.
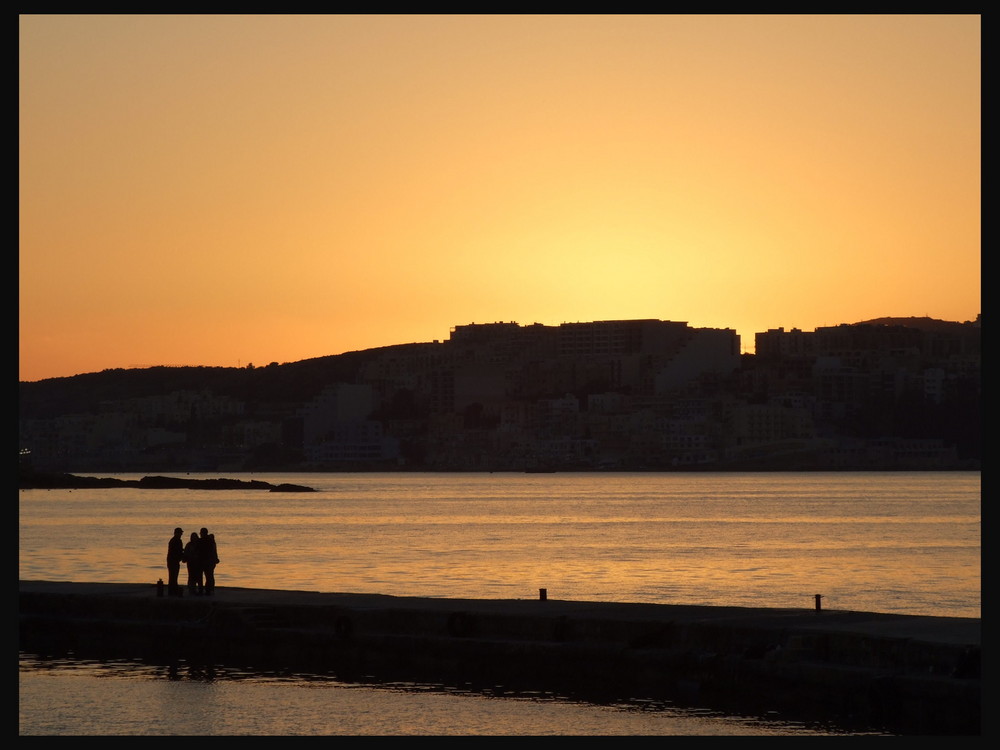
[(892, 542)]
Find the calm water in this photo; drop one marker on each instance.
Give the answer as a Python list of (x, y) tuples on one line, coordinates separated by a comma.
[(883, 542)]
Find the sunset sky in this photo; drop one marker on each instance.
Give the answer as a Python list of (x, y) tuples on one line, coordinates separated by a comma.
[(232, 189)]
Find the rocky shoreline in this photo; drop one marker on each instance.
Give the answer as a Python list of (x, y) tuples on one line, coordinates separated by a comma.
[(60, 481)]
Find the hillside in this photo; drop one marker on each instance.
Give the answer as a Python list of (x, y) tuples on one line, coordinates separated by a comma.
[(888, 393)]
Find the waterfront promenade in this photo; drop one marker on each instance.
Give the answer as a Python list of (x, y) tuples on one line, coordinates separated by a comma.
[(899, 673)]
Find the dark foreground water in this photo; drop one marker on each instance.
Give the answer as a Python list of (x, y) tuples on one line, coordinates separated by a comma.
[(70, 697), (885, 542)]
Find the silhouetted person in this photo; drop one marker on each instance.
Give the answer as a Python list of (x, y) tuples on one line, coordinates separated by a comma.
[(192, 558), (175, 554), (209, 559)]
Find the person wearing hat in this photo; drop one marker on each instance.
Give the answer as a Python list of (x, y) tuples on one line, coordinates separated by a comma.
[(175, 554)]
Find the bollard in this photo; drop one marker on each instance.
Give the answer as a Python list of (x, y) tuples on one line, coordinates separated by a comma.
[(543, 594), (159, 587), (818, 606)]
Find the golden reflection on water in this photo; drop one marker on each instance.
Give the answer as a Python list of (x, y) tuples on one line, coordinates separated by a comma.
[(892, 542)]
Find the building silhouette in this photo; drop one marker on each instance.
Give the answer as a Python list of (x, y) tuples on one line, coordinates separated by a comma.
[(602, 395)]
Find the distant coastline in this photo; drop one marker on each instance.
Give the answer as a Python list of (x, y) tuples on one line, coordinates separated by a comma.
[(628, 395)]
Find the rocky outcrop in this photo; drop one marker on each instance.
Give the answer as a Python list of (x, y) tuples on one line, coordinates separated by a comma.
[(55, 481)]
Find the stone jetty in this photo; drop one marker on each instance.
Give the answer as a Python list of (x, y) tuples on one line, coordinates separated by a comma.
[(897, 674)]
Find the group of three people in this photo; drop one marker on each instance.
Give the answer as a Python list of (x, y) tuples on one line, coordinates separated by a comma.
[(200, 555)]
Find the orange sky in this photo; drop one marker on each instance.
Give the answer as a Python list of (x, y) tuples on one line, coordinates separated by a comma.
[(225, 190)]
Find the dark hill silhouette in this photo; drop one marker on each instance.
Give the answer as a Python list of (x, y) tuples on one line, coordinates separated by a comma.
[(274, 383)]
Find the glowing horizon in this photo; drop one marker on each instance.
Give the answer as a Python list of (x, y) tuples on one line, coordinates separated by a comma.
[(225, 189)]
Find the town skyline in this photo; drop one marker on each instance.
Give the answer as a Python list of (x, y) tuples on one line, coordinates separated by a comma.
[(606, 395), (891, 320)]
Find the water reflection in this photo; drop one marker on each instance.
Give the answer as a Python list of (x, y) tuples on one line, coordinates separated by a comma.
[(391, 707), (901, 543)]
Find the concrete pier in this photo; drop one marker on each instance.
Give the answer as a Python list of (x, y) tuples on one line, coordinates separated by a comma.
[(895, 673)]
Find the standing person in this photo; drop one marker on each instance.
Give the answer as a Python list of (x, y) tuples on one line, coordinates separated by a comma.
[(192, 557), (209, 559), (175, 554)]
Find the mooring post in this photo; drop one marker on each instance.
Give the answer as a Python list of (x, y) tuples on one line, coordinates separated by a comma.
[(543, 594), (818, 605)]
